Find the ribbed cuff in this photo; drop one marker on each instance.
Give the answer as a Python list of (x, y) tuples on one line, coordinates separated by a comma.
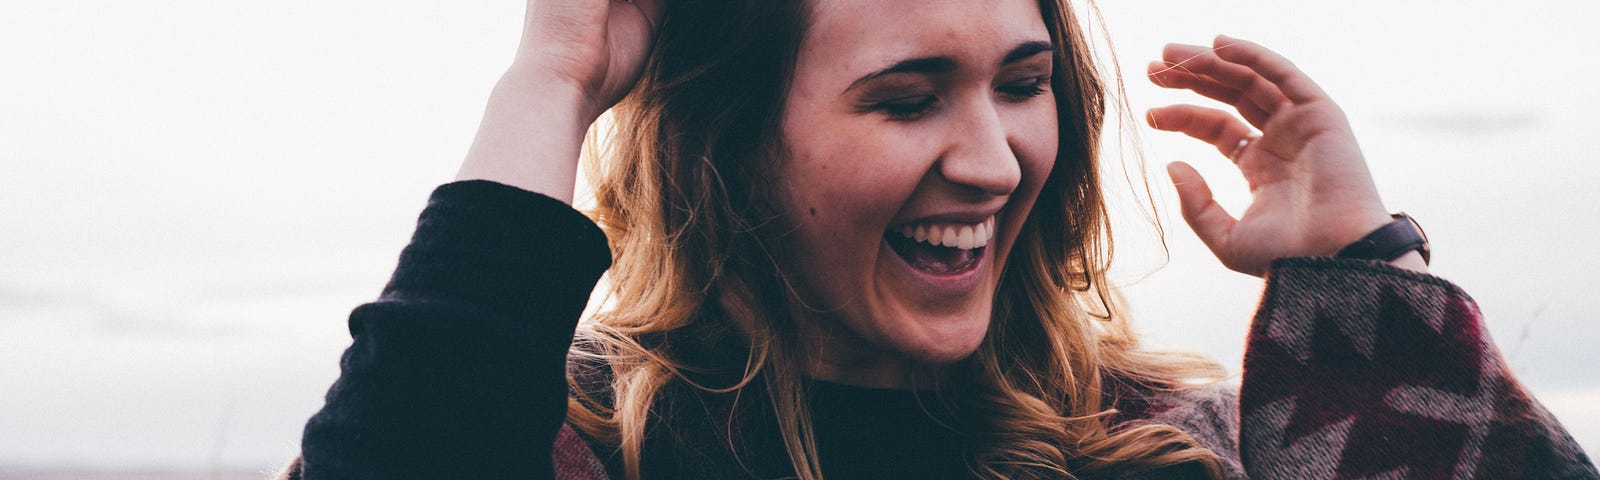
[(500, 247)]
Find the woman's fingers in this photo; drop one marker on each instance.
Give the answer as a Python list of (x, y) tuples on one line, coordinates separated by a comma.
[(1200, 210), (1204, 62), (1209, 125), (1293, 83), (1168, 76)]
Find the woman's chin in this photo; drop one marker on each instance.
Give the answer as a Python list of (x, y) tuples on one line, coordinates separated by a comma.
[(932, 318), (946, 343)]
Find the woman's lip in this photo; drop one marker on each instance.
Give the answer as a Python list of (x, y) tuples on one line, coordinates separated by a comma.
[(969, 218), (941, 284)]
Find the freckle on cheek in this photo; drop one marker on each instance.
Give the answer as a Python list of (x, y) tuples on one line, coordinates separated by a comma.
[(813, 212)]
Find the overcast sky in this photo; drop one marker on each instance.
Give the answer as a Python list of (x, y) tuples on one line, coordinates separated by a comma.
[(196, 193)]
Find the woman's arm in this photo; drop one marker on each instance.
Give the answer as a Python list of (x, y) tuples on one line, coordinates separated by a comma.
[(576, 59), (1357, 369), (458, 369), (1354, 368)]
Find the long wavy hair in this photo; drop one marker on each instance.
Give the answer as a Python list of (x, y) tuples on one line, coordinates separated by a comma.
[(681, 185)]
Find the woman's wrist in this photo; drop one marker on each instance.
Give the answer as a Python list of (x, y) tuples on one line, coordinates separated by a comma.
[(1411, 261), (1398, 240), (526, 78), (531, 135)]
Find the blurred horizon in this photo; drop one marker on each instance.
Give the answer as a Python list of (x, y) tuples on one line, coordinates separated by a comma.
[(73, 473), (198, 194)]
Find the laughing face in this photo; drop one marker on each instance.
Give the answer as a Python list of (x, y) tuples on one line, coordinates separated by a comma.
[(919, 134)]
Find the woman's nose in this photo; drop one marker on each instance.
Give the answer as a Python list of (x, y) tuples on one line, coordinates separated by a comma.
[(980, 156)]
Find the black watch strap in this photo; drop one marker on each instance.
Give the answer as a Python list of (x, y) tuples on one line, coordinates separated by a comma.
[(1390, 241)]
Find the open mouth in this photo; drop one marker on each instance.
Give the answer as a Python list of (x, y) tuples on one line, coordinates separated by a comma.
[(942, 249)]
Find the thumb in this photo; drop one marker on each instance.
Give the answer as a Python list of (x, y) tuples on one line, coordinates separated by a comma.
[(652, 11), (1209, 221)]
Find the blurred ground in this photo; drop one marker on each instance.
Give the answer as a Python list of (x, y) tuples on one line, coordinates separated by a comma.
[(17, 473)]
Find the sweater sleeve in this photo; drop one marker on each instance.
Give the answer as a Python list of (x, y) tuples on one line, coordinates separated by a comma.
[(1358, 369), (458, 369)]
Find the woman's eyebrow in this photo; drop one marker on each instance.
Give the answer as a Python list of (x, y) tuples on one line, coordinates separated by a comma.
[(1026, 50), (946, 64), (914, 65)]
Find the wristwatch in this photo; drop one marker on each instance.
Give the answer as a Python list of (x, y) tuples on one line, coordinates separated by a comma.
[(1391, 241)]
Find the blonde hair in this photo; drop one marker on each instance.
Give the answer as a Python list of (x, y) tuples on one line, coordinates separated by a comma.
[(679, 190)]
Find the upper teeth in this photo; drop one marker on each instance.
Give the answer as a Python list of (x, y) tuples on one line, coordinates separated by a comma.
[(951, 235)]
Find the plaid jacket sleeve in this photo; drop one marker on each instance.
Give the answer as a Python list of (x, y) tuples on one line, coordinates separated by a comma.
[(1357, 369)]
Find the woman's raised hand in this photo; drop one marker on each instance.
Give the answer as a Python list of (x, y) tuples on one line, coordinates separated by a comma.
[(597, 47), (576, 59), (1311, 193)]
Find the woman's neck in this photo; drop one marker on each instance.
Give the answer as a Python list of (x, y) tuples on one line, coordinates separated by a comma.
[(832, 353), (841, 357)]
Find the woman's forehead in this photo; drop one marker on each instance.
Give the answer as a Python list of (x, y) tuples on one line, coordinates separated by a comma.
[(863, 35)]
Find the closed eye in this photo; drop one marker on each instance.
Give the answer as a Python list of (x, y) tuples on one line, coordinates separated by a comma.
[(909, 108), (1029, 88)]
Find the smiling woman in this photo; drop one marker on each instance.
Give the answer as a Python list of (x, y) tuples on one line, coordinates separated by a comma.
[(867, 240), (954, 137), (790, 199)]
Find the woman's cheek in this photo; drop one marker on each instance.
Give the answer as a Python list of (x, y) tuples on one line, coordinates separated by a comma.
[(1038, 141), (884, 166)]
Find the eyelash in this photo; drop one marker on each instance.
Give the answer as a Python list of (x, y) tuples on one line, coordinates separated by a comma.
[(914, 108), (1033, 88), (908, 109)]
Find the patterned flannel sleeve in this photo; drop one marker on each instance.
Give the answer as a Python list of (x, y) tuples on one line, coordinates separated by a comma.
[(1357, 369)]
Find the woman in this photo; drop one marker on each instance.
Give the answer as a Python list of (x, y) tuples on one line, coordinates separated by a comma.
[(867, 240)]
